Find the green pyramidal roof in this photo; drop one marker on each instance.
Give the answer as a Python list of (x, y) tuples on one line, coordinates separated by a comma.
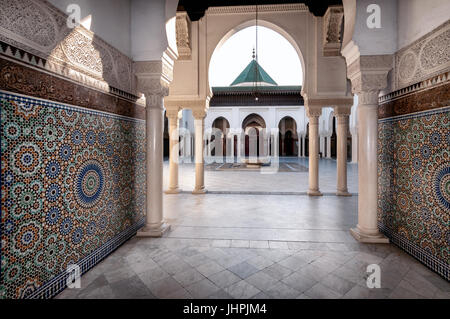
[(253, 73)]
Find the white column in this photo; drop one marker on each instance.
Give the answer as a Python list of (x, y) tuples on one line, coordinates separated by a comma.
[(199, 123), (367, 228), (328, 146), (174, 120), (322, 146), (355, 147), (303, 146), (341, 157), (154, 222), (313, 115)]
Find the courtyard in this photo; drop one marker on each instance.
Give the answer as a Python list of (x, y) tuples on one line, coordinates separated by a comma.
[(241, 241)]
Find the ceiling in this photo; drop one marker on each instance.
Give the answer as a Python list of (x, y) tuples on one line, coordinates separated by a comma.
[(196, 8)]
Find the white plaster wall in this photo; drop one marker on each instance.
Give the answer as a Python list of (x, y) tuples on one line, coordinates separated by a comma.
[(376, 41), (418, 17), (272, 115), (148, 29), (110, 19)]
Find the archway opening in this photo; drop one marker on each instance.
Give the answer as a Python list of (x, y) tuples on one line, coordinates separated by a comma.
[(288, 142), (277, 52), (221, 128), (253, 126)]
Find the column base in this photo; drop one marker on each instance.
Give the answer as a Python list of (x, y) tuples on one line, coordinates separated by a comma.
[(172, 191), (314, 192), (343, 193), (199, 191), (153, 232), (365, 238)]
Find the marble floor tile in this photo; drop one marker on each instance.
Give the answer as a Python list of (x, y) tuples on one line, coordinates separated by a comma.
[(224, 278), (202, 289), (262, 281), (243, 270), (242, 290)]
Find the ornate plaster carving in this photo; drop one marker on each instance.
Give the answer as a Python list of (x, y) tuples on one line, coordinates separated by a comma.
[(183, 28), (368, 73), (332, 24), (343, 110), (39, 28), (31, 81), (424, 58), (152, 80)]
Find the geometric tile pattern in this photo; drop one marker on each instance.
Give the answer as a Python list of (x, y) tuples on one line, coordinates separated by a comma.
[(73, 179), (414, 185)]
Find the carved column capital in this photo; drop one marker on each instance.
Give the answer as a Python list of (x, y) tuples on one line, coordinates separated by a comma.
[(199, 114), (152, 80), (342, 110), (368, 97), (173, 113), (368, 73)]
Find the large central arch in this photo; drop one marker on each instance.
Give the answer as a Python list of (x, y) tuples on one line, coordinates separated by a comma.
[(215, 42)]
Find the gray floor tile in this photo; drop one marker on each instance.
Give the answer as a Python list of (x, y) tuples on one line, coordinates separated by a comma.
[(202, 289), (282, 291), (243, 270), (242, 290), (224, 278), (188, 277), (299, 282), (262, 281), (164, 287), (319, 291)]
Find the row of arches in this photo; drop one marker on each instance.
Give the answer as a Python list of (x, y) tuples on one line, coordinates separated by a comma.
[(289, 141)]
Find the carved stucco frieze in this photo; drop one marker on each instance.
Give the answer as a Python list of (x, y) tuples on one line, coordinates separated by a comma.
[(40, 28), (183, 31), (332, 24), (424, 58)]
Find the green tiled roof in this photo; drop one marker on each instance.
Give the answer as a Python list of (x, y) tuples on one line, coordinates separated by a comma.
[(253, 73), (260, 89)]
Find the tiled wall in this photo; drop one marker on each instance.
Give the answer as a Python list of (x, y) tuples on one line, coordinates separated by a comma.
[(73, 189), (414, 184)]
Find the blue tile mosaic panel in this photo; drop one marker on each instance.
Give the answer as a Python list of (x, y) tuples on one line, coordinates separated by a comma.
[(73, 183), (414, 185)]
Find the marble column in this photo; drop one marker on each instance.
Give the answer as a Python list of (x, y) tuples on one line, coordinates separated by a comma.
[(303, 146), (328, 146), (368, 75), (367, 228), (355, 147), (154, 222), (322, 146), (314, 114), (174, 116), (342, 114), (199, 124)]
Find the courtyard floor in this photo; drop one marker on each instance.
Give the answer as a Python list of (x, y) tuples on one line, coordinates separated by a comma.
[(234, 244)]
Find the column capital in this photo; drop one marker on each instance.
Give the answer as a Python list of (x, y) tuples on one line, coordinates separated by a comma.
[(368, 73), (152, 80), (173, 113), (313, 111), (342, 110)]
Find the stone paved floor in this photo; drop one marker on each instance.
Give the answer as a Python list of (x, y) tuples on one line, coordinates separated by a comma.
[(257, 246), (239, 181)]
